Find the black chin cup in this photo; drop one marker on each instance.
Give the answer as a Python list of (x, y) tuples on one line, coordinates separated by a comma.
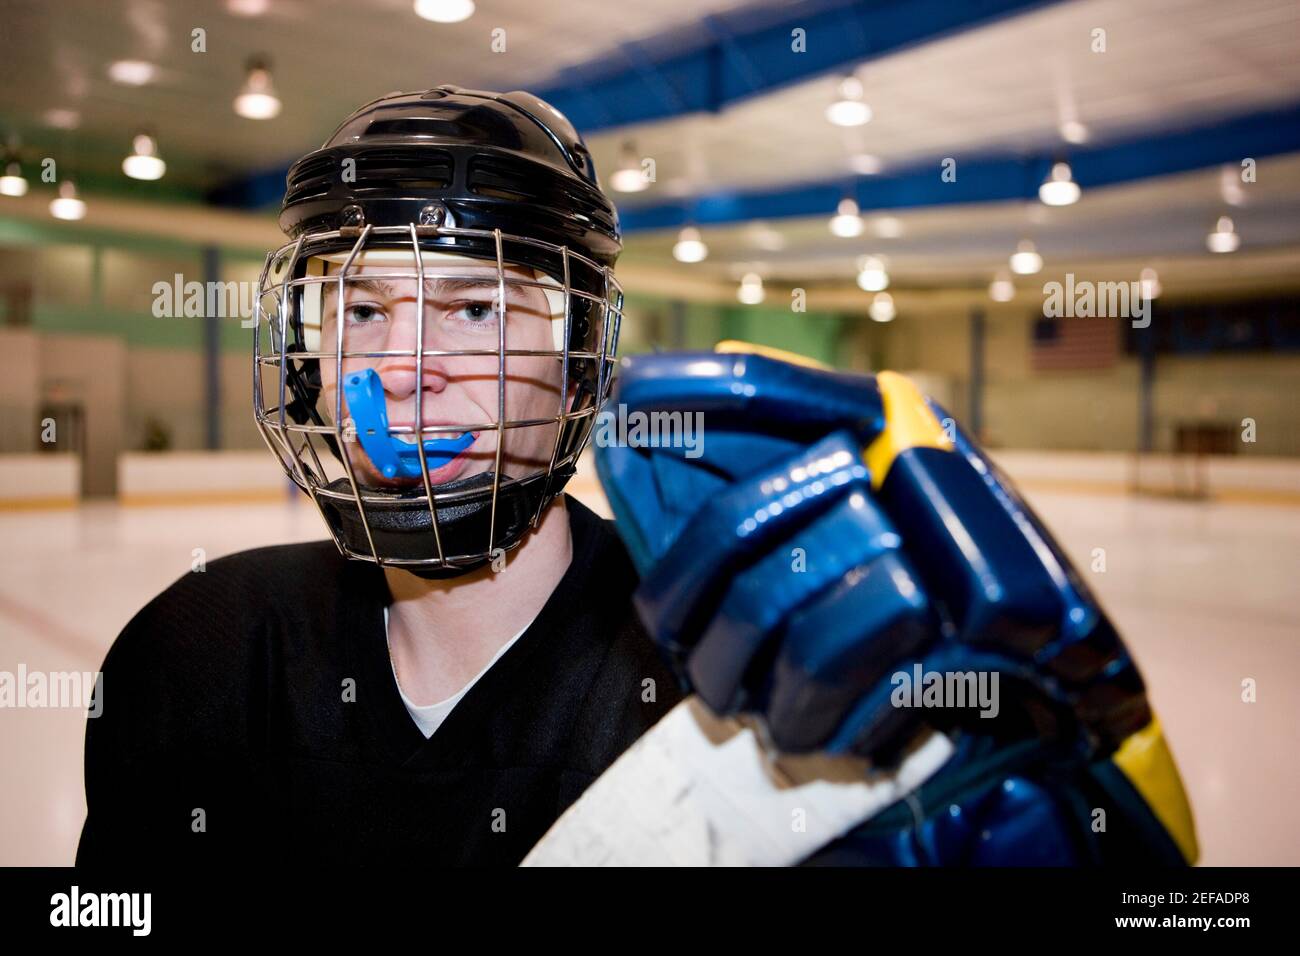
[(402, 527)]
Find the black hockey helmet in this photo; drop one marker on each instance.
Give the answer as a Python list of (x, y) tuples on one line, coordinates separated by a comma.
[(503, 161), (439, 176)]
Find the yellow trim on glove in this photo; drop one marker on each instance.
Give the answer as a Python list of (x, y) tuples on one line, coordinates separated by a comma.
[(909, 423), (767, 351), (1147, 762)]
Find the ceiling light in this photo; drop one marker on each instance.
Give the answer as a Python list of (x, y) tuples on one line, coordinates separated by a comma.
[(882, 308), (144, 162), (1224, 238), (257, 99), (689, 246), (864, 164), (1230, 186), (444, 11), (1059, 188), (847, 221), (248, 8), (1025, 261), (62, 119), (872, 276), (13, 183), (67, 205), (850, 109), (1150, 284), (1072, 131), (751, 289), (1002, 289), (766, 238), (132, 72), (629, 177), (887, 227)]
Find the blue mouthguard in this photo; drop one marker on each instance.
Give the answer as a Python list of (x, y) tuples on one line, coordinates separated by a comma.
[(388, 453)]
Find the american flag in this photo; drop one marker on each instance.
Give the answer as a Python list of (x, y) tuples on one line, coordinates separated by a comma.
[(1074, 343)]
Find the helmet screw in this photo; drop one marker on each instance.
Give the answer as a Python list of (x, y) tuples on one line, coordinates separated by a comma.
[(434, 214), (351, 216)]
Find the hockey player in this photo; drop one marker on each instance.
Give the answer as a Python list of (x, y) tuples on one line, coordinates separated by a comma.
[(439, 682)]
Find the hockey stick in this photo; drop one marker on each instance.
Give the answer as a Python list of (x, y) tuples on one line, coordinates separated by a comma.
[(699, 790)]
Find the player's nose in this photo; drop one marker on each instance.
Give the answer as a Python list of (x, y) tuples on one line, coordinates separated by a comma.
[(402, 373)]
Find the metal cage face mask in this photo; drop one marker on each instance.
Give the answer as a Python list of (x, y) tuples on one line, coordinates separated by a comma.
[(431, 387)]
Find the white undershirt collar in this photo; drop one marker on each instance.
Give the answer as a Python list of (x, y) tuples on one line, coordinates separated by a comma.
[(428, 717)]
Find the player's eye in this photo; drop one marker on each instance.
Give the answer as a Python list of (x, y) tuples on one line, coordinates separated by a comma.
[(363, 313), (475, 314)]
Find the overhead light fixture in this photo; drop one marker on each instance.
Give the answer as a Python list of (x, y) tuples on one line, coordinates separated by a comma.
[(248, 8), (882, 308), (765, 237), (751, 289), (872, 276), (13, 183), (850, 109), (257, 99), (62, 119), (1002, 289), (1230, 186), (1059, 188), (865, 164), (132, 72), (689, 246), (144, 162), (629, 177), (1025, 261), (67, 205), (887, 227), (1072, 131), (1149, 283), (444, 11), (1224, 238), (847, 221)]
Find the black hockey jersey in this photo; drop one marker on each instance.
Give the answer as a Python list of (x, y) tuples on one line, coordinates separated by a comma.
[(251, 715)]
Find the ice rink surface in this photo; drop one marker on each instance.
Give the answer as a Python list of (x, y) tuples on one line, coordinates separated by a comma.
[(1205, 594)]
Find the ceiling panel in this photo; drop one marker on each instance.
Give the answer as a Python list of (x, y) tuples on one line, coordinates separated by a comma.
[(1000, 88), (329, 56), (964, 245)]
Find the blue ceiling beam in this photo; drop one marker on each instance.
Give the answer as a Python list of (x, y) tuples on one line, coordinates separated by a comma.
[(647, 75), (734, 55), (709, 65), (990, 178)]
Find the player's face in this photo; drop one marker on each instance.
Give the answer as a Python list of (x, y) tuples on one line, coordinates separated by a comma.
[(379, 314)]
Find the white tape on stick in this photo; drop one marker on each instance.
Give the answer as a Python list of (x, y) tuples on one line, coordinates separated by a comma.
[(698, 790)]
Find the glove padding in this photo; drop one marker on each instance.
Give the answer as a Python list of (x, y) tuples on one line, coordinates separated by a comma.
[(833, 533)]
